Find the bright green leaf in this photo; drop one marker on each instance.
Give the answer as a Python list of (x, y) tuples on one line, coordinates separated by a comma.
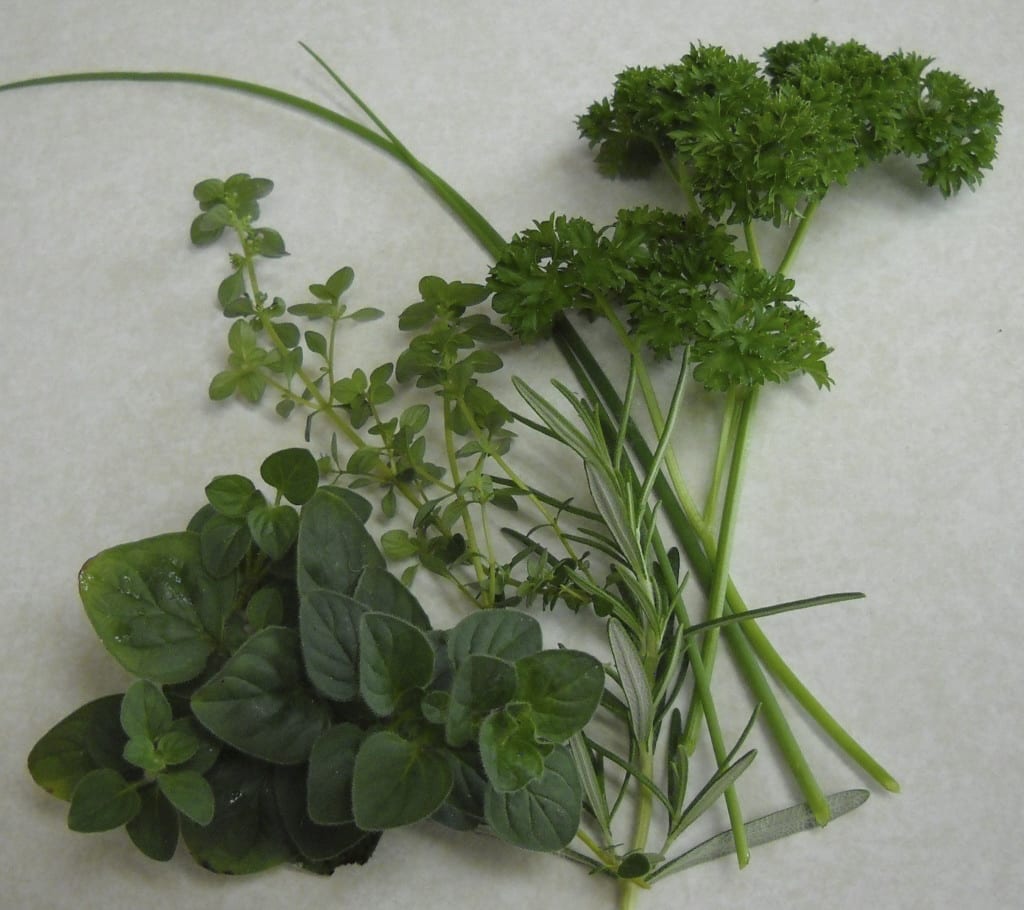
[(511, 755), (155, 607)]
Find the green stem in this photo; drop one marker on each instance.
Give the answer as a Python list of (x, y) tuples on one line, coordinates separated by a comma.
[(702, 683), (723, 558), (752, 248), (798, 236), (726, 438), (447, 406), (471, 219), (587, 371)]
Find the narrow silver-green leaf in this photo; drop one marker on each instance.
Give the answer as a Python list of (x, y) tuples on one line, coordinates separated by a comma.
[(609, 505), (592, 789), (762, 830), (722, 781), (633, 680), (556, 422)]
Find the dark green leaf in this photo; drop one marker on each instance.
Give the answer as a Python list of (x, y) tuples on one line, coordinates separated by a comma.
[(317, 343), (314, 841), (224, 541), (258, 701), (334, 545), (101, 801), (231, 494), (155, 829), (265, 608), (247, 833), (545, 814), (293, 472), (329, 630), (209, 191), (481, 684), (563, 688), (340, 281), (178, 746), (414, 418), (365, 314), (508, 634), (288, 333), (231, 288), (142, 753), (329, 780), (189, 793), (274, 529), (635, 865), (397, 782), (88, 738), (269, 243), (155, 607), (378, 590), (145, 711), (395, 657), (223, 385), (397, 544)]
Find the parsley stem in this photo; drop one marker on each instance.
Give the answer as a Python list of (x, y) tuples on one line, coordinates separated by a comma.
[(723, 556), (702, 683), (700, 549), (725, 442), (752, 248), (796, 241)]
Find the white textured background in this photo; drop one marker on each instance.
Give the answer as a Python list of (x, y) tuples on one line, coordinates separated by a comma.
[(904, 481)]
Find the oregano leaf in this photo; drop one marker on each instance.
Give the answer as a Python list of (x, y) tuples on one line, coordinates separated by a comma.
[(259, 703), (397, 782), (545, 814), (395, 657), (101, 801)]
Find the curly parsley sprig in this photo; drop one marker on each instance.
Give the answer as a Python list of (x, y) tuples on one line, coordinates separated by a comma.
[(760, 143)]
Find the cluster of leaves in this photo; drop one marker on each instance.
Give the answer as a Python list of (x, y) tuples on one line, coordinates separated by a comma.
[(681, 282), (757, 144), (438, 466), (292, 700)]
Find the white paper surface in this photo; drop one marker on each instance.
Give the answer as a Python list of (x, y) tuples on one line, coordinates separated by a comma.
[(904, 481)]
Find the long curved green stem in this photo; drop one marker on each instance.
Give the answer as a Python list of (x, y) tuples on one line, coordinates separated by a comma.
[(471, 219)]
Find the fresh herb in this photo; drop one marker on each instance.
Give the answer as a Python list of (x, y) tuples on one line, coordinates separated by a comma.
[(293, 701)]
